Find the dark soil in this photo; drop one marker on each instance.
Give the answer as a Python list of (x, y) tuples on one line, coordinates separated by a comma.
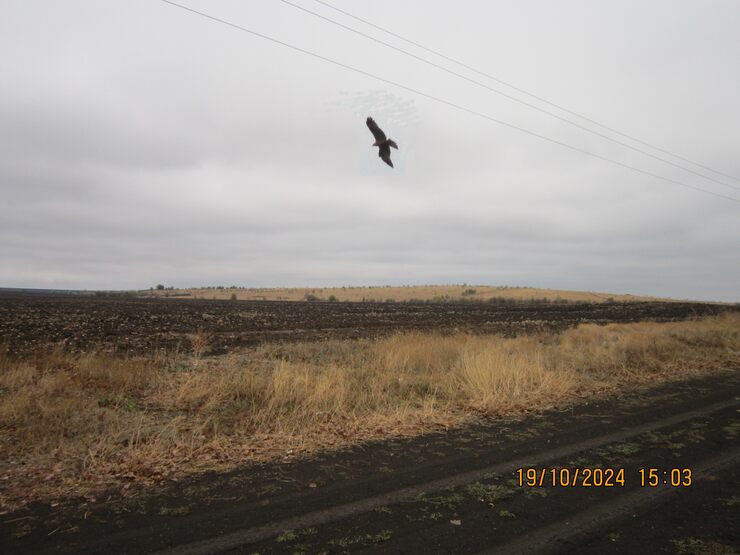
[(141, 325), (448, 492)]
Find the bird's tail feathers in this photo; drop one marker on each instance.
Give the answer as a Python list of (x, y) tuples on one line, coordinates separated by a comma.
[(392, 143)]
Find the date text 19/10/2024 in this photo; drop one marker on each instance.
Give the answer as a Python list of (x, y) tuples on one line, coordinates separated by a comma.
[(601, 477)]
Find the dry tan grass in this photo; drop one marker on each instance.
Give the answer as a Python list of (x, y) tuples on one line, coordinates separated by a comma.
[(401, 293), (77, 424)]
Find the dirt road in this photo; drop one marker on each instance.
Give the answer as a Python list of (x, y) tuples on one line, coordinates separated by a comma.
[(454, 492)]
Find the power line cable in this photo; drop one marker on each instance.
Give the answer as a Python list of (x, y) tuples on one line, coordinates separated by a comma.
[(502, 93), (523, 91), (443, 101)]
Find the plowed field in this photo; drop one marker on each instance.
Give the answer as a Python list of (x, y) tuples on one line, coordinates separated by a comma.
[(141, 325)]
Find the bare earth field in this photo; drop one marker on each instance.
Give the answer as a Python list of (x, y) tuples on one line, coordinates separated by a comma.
[(144, 325), (194, 426)]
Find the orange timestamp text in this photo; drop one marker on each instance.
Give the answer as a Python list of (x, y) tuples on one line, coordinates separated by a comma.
[(601, 477), (571, 477)]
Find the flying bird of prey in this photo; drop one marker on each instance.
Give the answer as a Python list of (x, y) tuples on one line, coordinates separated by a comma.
[(381, 141)]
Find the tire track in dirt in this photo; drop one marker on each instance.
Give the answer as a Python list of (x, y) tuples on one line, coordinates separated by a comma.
[(252, 535), (183, 513), (552, 538)]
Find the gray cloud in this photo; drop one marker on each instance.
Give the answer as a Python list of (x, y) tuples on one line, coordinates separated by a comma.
[(140, 144)]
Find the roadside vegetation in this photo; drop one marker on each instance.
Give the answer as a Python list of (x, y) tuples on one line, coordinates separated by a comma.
[(77, 424)]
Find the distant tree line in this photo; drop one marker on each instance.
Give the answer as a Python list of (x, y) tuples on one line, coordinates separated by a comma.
[(502, 301), (160, 287)]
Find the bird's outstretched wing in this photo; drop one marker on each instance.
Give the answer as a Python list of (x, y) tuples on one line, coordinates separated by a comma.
[(385, 154), (375, 130)]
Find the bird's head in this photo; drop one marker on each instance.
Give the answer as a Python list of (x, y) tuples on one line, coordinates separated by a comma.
[(376, 143)]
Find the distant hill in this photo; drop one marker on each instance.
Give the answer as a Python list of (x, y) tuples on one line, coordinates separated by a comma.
[(61, 292), (397, 293), (33, 291)]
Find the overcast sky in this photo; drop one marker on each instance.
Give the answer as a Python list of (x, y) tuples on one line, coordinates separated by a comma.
[(141, 144)]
